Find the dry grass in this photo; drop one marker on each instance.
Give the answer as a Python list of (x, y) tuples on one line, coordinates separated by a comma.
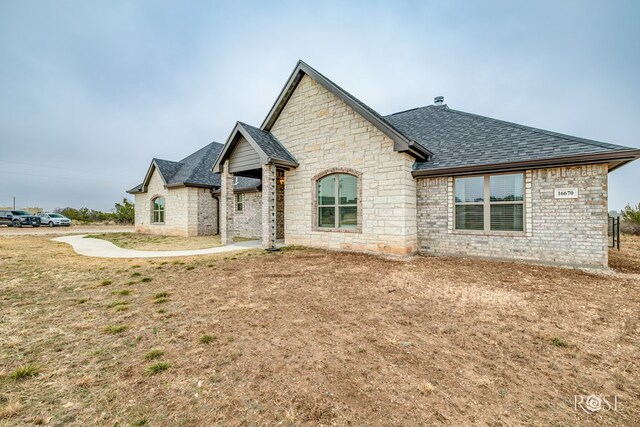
[(151, 242), (628, 259), (309, 337)]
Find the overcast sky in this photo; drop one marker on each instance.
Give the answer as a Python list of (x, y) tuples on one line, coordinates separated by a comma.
[(91, 91)]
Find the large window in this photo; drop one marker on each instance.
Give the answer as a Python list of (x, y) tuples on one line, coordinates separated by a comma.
[(490, 203), (158, 210), (338, 201)]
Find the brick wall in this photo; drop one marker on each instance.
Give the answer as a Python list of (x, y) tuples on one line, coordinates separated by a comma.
[(322, 132), (571, 232), (248, 223)]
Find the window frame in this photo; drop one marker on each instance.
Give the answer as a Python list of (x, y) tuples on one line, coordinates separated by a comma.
[(158, 211), (315, 214), (487, 203), (239, 202)]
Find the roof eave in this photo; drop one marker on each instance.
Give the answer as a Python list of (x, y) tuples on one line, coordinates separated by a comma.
[(623, 157)]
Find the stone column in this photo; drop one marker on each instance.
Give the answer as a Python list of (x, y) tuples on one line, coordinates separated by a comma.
[(268, 206), (226, 205)]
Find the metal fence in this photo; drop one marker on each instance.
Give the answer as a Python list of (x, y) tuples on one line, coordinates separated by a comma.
[(614, 232)]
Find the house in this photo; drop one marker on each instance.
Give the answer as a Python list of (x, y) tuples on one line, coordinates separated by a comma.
[(180, 199), (336, 174)]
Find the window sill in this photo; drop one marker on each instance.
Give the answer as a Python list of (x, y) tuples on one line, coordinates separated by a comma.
[(337, 230), (157, 223), (492, 233)]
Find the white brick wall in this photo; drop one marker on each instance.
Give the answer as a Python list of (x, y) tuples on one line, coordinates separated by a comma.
[(571, 232), (189, 211), (322, 132)]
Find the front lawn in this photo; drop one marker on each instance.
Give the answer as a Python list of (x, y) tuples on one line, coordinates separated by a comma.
[(152, 242), (309, 337)]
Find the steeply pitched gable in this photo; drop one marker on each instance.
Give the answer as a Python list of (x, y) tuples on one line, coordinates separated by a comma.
[(402, 143)]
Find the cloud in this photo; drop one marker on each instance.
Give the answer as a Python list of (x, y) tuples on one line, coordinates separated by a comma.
[(107, 86)]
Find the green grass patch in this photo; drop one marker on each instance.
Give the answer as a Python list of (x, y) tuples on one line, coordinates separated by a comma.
[(106, 283), (190, 267), (122, 308), (25, 371), (154, 354), (160, 300), (113, 329), (146, 279), (559, 342), (161, 295), (136, 274), (141, 422), (206, 339), (156, 368), (82, 300), (123, 292)]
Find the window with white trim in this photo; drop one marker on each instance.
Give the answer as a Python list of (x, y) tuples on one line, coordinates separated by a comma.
[(239, 202), (338, 201), (489, 202), (158, 210)]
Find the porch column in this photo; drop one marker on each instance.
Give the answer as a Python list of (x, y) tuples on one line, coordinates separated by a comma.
[(226, 205), (268, 206)]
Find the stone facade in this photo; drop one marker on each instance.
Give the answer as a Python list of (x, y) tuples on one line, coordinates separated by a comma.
[(322, 133), (248, 223), (227, 205), (189, 211), (570, 232)]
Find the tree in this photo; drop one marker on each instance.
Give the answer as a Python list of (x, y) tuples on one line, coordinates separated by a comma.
[(125, 212), (631, 214)]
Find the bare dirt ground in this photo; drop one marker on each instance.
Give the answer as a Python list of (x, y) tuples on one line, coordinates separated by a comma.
[(74, 229), (151, 242), (307, 337)]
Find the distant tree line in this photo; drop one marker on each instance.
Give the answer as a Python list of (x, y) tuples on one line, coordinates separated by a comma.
[(123, 213)]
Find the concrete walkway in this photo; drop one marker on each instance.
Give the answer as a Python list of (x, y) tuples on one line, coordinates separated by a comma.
[(103, 249)]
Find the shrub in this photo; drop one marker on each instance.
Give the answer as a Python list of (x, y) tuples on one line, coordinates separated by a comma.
[(558, 342), (631, 214), (115, 329)]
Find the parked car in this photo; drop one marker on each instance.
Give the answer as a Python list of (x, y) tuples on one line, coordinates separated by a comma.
[(53, 219), (18, 219)]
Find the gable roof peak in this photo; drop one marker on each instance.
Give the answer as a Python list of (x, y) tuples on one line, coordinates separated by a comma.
[(400, 141)]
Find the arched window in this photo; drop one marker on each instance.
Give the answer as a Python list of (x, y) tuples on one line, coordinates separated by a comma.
[(338, 201), (158, 210)]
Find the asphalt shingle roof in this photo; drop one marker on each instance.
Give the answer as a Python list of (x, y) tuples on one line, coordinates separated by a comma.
[(459, 139), (195, 170), (268, 143)]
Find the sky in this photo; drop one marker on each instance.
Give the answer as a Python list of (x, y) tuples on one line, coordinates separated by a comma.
[(90, 92)]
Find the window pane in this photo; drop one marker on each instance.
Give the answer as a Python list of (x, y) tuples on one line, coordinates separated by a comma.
[(469, 189), (158, 203), (506, 188), (327, 190), (348, 217), (469, 217), (327, 217), (348, 189), (506, 217)]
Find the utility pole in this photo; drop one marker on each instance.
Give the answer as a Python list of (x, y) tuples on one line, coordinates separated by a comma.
[(14, 203)]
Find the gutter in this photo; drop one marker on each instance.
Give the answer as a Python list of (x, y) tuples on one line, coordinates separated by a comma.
[(623, 157)]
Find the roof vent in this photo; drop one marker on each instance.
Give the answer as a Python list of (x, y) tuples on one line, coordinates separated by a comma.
[(438, 100)]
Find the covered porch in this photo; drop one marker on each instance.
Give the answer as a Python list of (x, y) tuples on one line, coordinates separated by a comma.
[(253, 153)]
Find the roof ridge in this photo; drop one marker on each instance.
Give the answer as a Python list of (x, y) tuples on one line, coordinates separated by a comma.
[(536, 130), (410, 109)]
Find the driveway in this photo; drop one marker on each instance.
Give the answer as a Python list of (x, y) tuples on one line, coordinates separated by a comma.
[(103, 249)]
